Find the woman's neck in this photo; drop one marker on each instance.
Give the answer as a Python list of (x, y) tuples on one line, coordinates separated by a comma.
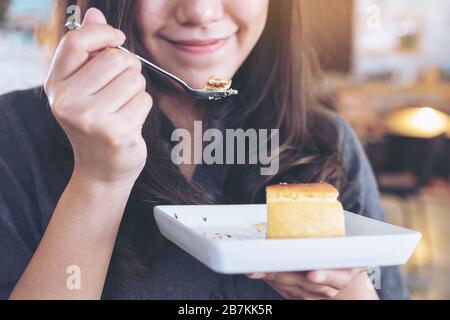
[(181, 109)]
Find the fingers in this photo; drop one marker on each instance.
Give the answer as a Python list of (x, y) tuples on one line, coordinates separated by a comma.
[(311, 285), (98, 96), (337, 279), (298, 281), (294, 293), (120, 91), (135, 111), (77, 45), (103, 69)]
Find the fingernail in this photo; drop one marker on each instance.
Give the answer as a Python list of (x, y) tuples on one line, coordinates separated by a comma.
[(320, 277), (257, 275)]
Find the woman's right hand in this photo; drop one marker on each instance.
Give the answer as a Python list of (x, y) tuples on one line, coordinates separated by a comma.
[(97, 94)]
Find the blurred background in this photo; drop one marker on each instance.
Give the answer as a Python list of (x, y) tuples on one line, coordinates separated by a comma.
[(387, 71)]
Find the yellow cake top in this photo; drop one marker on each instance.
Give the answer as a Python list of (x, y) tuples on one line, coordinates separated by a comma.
[(321, 191)]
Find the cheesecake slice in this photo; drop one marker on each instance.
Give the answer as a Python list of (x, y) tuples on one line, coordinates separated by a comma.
[(304, 211), (217, 84)]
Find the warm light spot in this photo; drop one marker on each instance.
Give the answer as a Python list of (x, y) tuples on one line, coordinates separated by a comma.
[(418, 123)]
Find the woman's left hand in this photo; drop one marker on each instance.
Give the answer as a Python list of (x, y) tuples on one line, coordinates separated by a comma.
[(312, 285)]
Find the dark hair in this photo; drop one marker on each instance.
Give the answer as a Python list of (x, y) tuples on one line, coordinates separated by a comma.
[(277, 86)]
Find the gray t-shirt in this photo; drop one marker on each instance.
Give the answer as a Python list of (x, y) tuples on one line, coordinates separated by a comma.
[(31, 184)]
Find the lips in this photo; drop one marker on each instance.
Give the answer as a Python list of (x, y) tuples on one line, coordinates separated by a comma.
[(199, 46)]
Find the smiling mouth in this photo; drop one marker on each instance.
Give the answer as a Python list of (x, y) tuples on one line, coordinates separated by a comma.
[(199, 46)]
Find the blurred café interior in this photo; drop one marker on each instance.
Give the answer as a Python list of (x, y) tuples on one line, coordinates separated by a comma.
[(386, 70)]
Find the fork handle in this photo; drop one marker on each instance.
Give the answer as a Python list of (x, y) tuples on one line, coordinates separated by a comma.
[(154, 67)]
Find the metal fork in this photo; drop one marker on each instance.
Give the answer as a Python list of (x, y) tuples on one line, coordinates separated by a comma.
[(200, 94)]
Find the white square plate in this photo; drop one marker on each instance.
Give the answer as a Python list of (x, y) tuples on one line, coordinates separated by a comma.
[(230, 239)]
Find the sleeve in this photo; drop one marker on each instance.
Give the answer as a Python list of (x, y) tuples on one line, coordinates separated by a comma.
[(360, 195), (22, 196), (19, 232)]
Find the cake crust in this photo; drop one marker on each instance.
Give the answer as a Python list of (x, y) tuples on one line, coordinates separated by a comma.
[(320, 191)]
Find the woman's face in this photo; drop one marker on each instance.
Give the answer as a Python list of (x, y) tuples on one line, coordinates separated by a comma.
[(195, 39)]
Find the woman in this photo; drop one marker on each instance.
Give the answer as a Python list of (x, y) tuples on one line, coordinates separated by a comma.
[(83, 163)]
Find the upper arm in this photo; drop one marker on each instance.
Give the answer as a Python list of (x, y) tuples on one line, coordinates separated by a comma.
[(360, 193)]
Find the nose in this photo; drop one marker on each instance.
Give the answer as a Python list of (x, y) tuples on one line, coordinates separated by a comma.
[(199, 12)]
